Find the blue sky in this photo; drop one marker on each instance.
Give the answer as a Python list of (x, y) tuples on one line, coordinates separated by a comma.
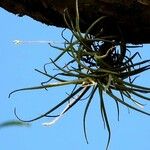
[(17, 65)]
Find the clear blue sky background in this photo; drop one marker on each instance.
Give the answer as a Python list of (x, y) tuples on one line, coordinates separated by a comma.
[(17, 64)]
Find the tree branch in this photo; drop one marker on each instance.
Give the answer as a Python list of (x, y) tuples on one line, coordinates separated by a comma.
[(132, 16)]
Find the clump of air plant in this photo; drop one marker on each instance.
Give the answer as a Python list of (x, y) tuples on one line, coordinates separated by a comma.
[(95, 64)]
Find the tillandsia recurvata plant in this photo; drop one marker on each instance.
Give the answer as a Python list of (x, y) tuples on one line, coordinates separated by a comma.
[(95, 64)]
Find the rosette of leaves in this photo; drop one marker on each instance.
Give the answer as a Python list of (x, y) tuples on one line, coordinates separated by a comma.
[(95, 64)]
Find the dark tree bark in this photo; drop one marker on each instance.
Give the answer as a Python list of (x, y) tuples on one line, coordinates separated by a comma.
[(132, 16)]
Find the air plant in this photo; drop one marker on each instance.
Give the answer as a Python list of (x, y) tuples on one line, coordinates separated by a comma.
[(95, 64)]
